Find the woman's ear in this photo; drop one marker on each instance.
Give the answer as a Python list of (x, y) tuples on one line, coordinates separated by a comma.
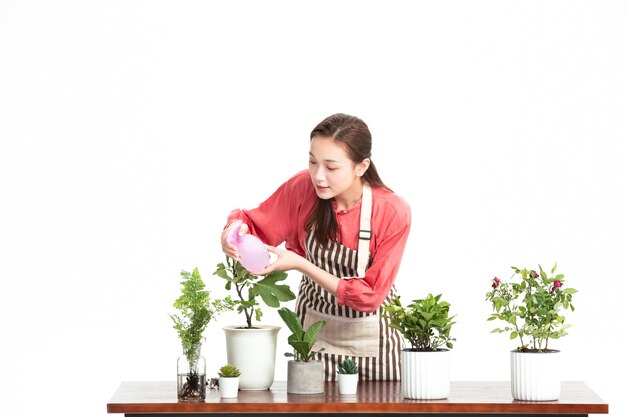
[(362, 167)]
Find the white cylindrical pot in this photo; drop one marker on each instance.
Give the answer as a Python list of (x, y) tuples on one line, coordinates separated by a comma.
[(535, 376), (253, 351), (425, 375), (229, 387), (305, 377), (347, 383)]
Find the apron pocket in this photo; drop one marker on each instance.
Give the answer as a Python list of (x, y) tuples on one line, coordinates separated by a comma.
[(345, 335)]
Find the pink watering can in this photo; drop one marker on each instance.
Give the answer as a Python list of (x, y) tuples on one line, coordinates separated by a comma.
[(253, 254)]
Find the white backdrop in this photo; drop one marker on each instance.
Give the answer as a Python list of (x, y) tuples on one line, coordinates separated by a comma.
[(130, 129)]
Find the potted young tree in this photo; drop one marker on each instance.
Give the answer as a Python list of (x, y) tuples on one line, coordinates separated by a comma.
[(425, 367), (252, 348), (196, 311), (530, 306), (347, 377), (304, 374), (229, 381)]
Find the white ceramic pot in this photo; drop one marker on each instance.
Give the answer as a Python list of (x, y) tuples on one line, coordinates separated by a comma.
[(229, 387), (425, 375), (253, 351), (305, 377), (347, 383), (535, 376)]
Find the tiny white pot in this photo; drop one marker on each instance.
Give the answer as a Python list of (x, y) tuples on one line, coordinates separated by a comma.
[(535, 376), (253, 352), (229, 387), (425, 375), (347, 383)]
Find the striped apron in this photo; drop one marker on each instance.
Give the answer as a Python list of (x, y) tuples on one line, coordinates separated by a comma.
[(365, 338)]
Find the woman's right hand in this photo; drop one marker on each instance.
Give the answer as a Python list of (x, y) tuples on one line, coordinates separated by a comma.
[(227, 247)]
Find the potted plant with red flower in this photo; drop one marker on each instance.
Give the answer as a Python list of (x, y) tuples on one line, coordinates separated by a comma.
[(530, 306)]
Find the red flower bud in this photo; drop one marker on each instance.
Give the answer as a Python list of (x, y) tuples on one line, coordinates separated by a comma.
[(556, 284), (496, 282), (534, 274)]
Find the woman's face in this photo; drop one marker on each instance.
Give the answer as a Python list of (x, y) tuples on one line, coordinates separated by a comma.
[(332, 172)]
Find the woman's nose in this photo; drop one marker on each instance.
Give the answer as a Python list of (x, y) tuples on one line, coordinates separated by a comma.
[(319, 176)]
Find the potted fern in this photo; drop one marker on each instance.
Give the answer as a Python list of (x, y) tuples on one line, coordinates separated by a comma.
[(426, 325), (305, 375), (195, 312), (252, 347), (347, 377), (229, 381), (530, 306)]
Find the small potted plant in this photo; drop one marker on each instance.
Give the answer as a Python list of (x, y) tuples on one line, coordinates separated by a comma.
[(252, 348), (196, 311), (348, 377), (530, 305), (425, 367), (305, 375), (229, 381)]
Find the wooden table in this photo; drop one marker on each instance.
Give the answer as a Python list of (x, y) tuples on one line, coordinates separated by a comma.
[(466, 398)]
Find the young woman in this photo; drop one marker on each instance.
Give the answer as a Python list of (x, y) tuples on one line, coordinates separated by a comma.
[(345, 231)]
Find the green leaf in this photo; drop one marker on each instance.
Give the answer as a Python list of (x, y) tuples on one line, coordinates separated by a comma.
[(292, 321), (310, 336), (513, 335), (222, 273), (271, 293)]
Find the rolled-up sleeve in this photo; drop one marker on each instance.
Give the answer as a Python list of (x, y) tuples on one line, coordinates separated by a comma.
[(368, 294), (277, 219)]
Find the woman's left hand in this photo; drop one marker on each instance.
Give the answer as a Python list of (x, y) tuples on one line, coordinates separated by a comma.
[(286, 260)]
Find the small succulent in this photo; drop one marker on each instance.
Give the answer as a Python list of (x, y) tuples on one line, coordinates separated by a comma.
[(347, 367), (229, 371)]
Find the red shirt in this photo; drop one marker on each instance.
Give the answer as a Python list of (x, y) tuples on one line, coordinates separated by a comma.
[(281, 218)]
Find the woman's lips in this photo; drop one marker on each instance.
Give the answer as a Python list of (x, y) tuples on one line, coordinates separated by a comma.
[(320, 188)]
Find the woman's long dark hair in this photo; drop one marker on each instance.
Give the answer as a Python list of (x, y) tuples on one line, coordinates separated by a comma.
[(354, 136)]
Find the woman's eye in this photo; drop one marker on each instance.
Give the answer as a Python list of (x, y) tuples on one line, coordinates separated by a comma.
[(312, 163), (331, 169)]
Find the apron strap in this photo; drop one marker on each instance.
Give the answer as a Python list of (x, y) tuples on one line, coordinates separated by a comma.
[(365, 231)]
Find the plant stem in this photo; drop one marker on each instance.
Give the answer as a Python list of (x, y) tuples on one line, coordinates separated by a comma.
[(239, 288), (519, 334)]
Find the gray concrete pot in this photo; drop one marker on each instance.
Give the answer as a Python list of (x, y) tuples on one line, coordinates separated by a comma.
[(305, 377)]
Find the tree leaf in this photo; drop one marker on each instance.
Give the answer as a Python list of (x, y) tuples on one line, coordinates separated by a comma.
[(271, 293)]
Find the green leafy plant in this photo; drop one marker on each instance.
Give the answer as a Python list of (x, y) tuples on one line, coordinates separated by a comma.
[(301, 340), (530, 305), (425, 323), (196, 309), (248, 287), (347, 367), (229, 371)]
